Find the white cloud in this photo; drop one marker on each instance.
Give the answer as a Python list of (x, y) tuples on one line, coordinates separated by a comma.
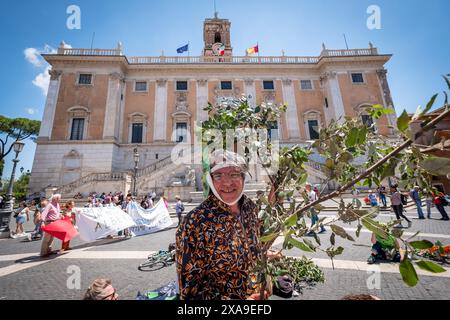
[(32, 55), (31, 111), (42, 80)]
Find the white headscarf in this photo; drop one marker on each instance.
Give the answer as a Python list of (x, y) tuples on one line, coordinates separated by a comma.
[(220, 159)]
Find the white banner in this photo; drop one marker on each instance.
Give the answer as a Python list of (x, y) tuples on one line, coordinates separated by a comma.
[(97, 223), (149, 220)]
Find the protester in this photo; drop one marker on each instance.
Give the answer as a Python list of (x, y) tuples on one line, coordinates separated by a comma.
[(312, 196), (381, 190), (429, 202), (438, 199), (217, 242), (50, 214), (397, 206), (415, 196), (69, 215), (384, 248), (166, 202), (22, 215), (372, 199), (101, 289), (179, 209), (37, 232), (355, 192)]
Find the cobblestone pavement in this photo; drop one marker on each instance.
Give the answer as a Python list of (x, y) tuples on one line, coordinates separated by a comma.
[(23, 275)]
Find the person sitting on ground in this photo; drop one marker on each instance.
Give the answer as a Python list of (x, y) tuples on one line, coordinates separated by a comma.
[(384, 248), (101, 289), (372, 199)]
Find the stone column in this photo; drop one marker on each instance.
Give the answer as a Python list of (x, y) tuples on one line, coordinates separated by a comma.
[(291, 113), (45, 132), (160, 110), (387, 99), (334, 96), (250, 92), (112, 111), (202, 100)]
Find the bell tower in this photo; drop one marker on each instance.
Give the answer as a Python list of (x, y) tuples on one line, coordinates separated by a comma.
[(216, 34)]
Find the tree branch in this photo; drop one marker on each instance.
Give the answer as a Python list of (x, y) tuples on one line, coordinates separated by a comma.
[(375, 166)]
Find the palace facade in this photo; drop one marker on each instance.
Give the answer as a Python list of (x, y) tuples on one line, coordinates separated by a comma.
[(101, 104)]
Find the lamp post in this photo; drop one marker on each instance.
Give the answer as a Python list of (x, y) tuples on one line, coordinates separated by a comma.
[(136, 161), (4, 223)]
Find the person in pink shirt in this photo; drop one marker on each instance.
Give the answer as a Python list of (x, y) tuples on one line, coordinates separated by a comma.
[(50, 214)]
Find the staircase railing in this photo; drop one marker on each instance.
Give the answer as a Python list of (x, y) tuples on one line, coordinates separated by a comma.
[(106, 176)]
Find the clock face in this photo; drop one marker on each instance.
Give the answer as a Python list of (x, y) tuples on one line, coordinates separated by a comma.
[(216, 48)]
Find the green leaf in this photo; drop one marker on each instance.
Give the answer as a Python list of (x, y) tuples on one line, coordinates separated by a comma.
[(341, 232), (269, 237), (300, 245), (329, 163), (362, 135), (403, 121), (333, 239), (446, 80), (389, 170), (422, 244), (430, 266), (430, 104), (408, 273), (352, 138), (291, 221), (436, 166), (371, 225)]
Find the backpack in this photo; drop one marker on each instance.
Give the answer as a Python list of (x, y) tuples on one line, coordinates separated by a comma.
[(404, 199), (284, 286), (182, 207)]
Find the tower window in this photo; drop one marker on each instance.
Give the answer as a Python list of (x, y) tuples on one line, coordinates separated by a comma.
[(85, 78), (137, 133), (306, 84), (217, 37), (140, 86), (313, 128)]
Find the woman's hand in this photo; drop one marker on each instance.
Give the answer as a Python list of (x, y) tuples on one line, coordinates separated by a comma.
[(274, 255)]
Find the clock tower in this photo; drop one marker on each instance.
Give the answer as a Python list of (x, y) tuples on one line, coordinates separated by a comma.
[(216, 35)]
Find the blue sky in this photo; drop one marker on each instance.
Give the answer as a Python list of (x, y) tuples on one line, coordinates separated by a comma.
[(415, 32)]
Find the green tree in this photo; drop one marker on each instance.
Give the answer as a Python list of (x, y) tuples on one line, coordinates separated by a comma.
[(20, 187), (12, 130), (339, 143)]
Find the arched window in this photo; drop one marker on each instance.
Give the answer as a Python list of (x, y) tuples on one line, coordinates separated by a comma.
[(78, 123), (217, 37), (137, 128), (312, 125)]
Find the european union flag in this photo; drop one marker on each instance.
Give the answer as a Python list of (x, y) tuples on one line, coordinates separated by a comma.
[(183, 49)]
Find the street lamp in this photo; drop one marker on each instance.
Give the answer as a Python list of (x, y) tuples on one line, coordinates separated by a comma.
[(136, 161), (4, 223)]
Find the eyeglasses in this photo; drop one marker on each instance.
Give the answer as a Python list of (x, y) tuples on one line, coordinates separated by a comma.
[(234, 176)]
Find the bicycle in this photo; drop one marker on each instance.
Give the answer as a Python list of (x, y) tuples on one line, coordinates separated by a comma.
[(158, 261)]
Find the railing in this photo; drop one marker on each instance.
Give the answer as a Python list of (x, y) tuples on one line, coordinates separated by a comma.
[(234, 60), (89, 52), (153, 167), (89, 178), (214, 59)]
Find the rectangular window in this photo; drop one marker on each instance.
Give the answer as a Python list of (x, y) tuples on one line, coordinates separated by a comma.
[(272, 135), (367, 120), (357, 78), (268, 85), (306, 84), (326, 102), (226, 85), (77, 129), (85, 78), (313, 127), (182, 85), (181, 132), (140, 86), (137, 133)]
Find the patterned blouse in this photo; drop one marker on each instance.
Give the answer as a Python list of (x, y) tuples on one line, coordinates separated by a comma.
[(217, 250)]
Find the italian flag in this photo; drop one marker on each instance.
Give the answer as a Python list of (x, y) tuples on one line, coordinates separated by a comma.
[(253, 50), (222, 50)]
